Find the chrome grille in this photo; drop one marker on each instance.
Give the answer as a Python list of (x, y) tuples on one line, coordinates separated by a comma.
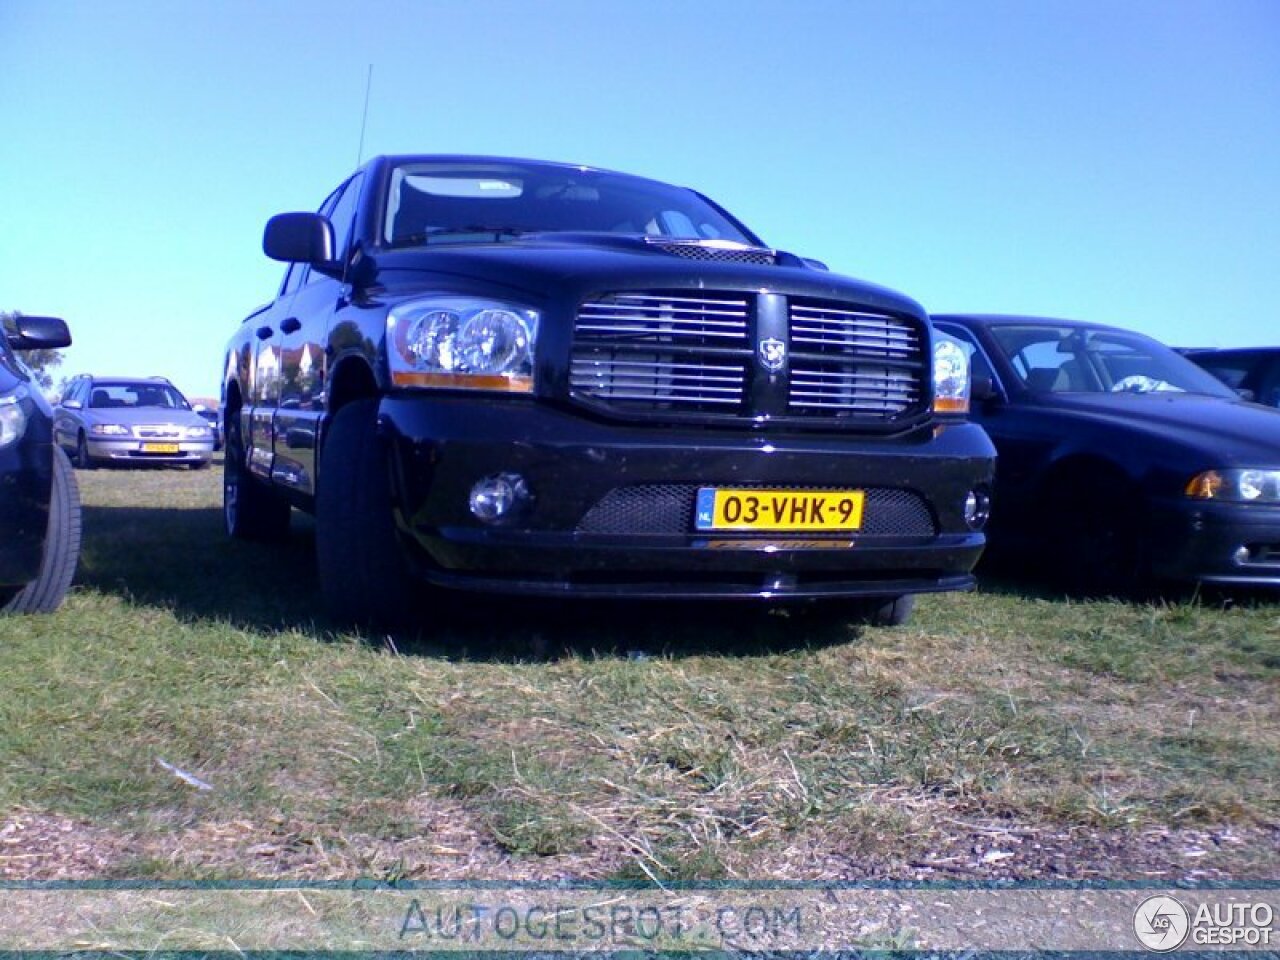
[(853, 363), (161, 432), (654, 350)]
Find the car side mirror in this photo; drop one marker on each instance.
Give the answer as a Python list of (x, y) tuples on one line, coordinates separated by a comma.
[(72, 404), (300, 238), (983, 389), (39, 333)]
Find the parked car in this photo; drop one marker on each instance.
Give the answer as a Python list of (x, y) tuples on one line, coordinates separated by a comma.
[(211, 416), (130, 420), (39, 501), (1120, 461), (1253, 372), (532, 378)]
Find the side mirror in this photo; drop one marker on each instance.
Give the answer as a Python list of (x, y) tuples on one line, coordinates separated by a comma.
[(39, 333), (983, 389), (72, 404), (299, 238)]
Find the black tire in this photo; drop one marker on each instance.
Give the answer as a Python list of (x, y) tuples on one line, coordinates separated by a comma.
[(83, 460), (364, 575), (44, 594), (250, 511), (1102, 550), (200, 465), (893, 612)]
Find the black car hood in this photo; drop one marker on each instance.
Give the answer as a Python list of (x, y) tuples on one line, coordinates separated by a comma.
[(579, 265), (1236, 432)]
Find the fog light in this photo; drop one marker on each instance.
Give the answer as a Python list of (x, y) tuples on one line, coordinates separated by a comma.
[(977, 509), (493, 498)]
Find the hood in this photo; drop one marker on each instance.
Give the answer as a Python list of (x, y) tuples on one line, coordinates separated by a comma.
[(144, 416), (580, 264), (1234, 432)]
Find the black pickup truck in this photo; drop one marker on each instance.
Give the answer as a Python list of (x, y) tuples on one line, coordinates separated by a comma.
[(521, 377)]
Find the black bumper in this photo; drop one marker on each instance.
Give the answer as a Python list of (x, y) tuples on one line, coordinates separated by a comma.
[(1197, 541), (25, 480), (611, 507)]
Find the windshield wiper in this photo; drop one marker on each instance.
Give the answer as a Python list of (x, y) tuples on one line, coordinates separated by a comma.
[(425, 236)]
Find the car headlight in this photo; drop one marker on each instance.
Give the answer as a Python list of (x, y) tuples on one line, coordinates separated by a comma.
[(198, 433), (109, 430), (950, 375), (462, 343), (13, 420), (1236, 486)]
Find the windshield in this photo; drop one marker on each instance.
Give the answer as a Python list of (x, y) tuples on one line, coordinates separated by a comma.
[(1068, 359), (487, 202), (110, 396)]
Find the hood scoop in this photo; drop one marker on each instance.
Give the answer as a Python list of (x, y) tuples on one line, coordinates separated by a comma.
[(724, 251)]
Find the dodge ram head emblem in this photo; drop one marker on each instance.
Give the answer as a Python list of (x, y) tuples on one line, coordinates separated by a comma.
[(772, 353)]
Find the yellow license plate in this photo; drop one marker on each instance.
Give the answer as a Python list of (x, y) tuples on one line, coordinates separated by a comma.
[(734, 509), (160, 448)]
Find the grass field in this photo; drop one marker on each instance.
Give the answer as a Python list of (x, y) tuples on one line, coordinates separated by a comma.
[(1003, 734)]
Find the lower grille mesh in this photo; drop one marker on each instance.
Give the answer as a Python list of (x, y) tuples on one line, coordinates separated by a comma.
[(668, 509)]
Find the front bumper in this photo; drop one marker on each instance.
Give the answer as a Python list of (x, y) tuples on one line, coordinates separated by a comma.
[(569, 540), (126, 450), (1201, 541)]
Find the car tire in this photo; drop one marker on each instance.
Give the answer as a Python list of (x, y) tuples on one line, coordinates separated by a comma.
[(250, 511), (362, 566), (83, 460), (45, 593), (200, 465), (892, 612), (1102, 551)]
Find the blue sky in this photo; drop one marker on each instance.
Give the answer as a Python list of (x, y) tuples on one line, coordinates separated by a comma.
[(1112, 161)]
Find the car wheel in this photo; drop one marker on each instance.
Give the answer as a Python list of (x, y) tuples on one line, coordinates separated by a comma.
[(61, 545), (250, 511), (893, 612), (83, 460), (200, 465), (362, 566), (1102, 549)]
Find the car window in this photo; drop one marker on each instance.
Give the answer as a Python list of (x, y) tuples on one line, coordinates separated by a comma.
[(472, 203), (343, 216), (1269, 384), (294, 277), (135, 395), (1073, 359)]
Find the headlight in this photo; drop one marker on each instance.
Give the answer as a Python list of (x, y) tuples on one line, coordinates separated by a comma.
[(109, 430), (462, 343), (950, 375), (1236, 486), (198, 433), (13, 420)]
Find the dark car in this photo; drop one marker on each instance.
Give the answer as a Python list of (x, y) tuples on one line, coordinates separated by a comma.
[(130, 421), (532, 378), (39, 501), (1120, 461), (1252, 372)]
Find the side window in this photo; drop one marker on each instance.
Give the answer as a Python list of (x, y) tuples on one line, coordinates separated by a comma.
[(343, 216)]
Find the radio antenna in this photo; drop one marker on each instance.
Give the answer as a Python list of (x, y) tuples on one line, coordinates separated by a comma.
[(364, 117)]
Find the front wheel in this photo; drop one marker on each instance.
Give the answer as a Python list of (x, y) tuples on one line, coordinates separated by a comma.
[(83, 460), (61, 545), (363, 574), (250, 511)]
